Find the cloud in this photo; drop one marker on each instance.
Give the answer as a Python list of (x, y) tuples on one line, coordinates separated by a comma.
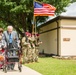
[(71, 10)]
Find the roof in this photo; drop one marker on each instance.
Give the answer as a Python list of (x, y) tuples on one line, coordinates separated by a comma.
[(57, 18)]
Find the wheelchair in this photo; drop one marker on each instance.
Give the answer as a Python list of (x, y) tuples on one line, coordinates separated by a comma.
[(12, 55)]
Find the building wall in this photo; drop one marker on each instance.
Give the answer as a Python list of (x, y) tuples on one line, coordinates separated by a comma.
[(65, 44), (68, 42), (49, 39), (48, 27), (66, 22), (68, 38)]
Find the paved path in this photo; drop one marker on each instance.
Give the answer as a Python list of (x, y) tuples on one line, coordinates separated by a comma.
[(25, 71)]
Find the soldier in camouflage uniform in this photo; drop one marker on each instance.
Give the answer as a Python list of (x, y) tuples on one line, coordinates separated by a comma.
[(25, 48), (32, 47), (29, 54), (37, 43)]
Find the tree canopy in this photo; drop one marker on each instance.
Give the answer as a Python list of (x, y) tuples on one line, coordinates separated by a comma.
[(19, 13)]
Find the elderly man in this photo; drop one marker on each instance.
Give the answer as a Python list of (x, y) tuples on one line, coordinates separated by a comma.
[(11, 38)]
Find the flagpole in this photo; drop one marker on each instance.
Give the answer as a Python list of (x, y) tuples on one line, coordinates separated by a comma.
[(34, 21), (34, 25)]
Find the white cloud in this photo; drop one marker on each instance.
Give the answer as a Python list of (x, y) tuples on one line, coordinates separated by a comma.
[(71, 10)]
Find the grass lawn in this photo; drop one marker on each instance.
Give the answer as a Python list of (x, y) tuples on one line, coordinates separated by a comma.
[(52, 66)]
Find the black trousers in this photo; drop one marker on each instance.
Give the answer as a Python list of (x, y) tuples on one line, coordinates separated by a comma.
[(10, 45)]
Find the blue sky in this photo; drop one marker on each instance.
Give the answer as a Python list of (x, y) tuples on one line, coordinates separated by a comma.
[(71, 10)]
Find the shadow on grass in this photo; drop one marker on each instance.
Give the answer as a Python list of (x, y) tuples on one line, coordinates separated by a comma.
[(46, 55)]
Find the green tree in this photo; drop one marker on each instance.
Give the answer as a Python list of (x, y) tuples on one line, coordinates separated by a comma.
[(73, 0), (19, 13)]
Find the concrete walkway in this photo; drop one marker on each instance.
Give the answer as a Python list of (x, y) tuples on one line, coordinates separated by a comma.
[(25, 71)]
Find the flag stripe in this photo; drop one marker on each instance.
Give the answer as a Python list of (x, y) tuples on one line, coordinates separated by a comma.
[(43, 9), (43, 14), (49, 6)]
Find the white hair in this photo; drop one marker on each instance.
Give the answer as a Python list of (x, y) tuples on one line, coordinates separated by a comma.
[(10, 27)]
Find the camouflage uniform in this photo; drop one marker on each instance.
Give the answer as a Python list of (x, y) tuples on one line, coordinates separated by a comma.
[(37, 43), (24, 50), (37, 53), (33, 48), (33, 51), (30, 49)]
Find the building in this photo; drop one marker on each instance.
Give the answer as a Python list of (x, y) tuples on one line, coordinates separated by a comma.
[(59, 36)]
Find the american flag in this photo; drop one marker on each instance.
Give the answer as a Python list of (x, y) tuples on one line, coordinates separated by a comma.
[(43, 9)]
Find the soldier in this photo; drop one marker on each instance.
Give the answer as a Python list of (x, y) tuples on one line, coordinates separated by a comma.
[(24, 49), (37, 43), (30, 59), (32, 48)]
